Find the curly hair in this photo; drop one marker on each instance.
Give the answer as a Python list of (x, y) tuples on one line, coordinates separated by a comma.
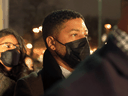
[(53, 22), (16, 71)]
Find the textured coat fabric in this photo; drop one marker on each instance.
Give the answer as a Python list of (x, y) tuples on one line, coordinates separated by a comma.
[(104, 73), (7, 85), (36, 83), (8, 81), (30, 85)]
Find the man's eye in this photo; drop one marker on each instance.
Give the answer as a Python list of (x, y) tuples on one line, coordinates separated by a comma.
[(74, 35), (8, 46)]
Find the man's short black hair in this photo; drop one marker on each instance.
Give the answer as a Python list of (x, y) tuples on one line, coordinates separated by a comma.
[(53, 22)]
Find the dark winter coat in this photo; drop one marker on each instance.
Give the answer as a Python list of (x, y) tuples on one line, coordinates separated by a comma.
[(36, 83), (105, 73), (8, 80), (7, 85)]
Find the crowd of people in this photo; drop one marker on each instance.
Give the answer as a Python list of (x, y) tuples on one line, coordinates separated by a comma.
[(68, 68)]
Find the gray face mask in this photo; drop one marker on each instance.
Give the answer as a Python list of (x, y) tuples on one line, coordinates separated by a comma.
[(10, 58), (76, 51)]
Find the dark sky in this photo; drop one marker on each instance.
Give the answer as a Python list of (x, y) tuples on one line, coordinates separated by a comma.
[(110, 8)]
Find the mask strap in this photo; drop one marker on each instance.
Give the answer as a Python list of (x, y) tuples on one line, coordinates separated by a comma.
[(59, 41)]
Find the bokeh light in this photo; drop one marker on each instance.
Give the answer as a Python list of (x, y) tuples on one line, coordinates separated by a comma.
[(29, 63), (40, 28), (29, 46), (93, 50), (108, 26), (36, 30)]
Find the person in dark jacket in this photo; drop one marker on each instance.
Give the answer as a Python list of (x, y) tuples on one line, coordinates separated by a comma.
[(104, 73), (65, 36), (12, 66)]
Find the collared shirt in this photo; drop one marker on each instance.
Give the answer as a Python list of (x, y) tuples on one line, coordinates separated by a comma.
[(65, 72), (121, 39)]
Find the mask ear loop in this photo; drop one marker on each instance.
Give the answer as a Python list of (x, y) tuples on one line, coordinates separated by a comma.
[(59, 42)]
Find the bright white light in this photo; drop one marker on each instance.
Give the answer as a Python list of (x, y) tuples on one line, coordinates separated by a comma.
[(29, 63), (107, 26), (40, 58), (29, 45), (91, 51), (40, 28), (36, 30), (104, 37)]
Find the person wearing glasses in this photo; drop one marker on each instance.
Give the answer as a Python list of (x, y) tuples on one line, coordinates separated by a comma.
[(12, 66)]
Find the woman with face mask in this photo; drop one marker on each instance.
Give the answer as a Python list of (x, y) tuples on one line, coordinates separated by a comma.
[(12, 66)]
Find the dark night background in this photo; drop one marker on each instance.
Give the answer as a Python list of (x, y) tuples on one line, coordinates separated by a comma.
[(21, 11), (24, 15)]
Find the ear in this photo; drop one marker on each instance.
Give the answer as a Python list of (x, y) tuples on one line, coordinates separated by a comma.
[(51, 42)]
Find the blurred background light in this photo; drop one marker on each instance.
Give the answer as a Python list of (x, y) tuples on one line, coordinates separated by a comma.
[(40, 58), (40, 28), (29, 63), (29, 46), (108, 26), (36, 30), (104, 37), (93, 50)]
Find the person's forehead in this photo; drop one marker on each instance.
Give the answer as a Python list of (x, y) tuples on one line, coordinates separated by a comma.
[(74, 23), (8, 38)]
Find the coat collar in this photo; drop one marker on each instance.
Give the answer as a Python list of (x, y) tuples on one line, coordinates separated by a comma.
[(51, 70), (50, 65)]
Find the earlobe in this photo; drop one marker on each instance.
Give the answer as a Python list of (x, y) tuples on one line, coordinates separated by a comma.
[(51, 42)]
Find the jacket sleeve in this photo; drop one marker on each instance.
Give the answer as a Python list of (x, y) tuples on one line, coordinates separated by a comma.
[(22, 88)]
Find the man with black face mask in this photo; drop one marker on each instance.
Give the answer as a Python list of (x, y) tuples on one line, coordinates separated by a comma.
[(65, 36), (76, 51), (105, 72)]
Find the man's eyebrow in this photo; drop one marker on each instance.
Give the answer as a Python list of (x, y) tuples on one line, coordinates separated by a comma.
[(74, 30), (78, 30)]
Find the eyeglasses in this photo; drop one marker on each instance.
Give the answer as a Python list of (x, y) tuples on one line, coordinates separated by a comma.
[(9, 45)]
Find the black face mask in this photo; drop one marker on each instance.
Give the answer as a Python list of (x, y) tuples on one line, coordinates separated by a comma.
[(10, 58), (76, 51)]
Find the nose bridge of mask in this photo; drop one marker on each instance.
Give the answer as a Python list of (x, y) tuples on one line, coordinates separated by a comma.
[(77, 43)]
